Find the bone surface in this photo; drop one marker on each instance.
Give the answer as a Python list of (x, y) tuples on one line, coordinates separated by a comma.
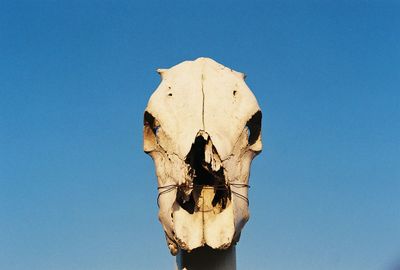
[(202, 127)]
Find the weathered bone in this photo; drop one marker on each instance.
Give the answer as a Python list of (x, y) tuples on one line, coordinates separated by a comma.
[(202, 129)]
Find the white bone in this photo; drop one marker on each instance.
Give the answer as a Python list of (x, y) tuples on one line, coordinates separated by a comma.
[(202, 124)]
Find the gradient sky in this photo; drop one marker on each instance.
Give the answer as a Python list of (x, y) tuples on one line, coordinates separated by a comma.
[(76, 190)]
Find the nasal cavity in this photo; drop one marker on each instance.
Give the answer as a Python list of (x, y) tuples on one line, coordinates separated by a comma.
[(202, 171)]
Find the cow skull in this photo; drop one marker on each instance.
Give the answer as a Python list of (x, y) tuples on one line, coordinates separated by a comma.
[(202, 127)]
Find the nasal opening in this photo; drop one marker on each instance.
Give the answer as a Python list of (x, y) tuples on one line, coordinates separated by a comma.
[(204, 175)]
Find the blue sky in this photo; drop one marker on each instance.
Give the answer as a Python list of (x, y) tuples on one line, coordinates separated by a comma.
[(76, 190)]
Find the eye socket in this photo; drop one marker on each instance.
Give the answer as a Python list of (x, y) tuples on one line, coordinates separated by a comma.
[(151, 122), (254, 127)]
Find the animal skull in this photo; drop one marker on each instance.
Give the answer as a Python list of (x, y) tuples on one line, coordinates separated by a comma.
[(202, 127)]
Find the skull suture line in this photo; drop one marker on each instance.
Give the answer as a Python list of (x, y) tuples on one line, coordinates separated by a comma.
[(202, 127)]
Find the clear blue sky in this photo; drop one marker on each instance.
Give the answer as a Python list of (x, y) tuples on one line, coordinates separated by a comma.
[(76, 190)]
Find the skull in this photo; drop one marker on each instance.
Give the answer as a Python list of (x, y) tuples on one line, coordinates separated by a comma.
[(202, 128)]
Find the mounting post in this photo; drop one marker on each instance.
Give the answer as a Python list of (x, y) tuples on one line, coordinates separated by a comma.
[(206, 258)]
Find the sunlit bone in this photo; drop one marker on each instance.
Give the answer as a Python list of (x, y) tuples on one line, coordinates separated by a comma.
[(202, 127)]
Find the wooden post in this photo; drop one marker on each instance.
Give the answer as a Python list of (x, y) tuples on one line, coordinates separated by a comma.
[(206, 258)]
